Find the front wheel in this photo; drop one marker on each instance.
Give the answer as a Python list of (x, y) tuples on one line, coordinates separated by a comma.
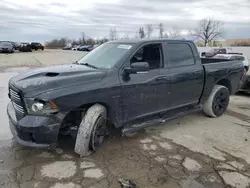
[(217, 101), (92, 131)]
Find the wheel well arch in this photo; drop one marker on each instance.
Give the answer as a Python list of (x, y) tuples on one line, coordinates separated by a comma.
[(226, 83), (75, 115)]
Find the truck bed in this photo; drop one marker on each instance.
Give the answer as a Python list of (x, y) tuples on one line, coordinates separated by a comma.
[(221, 69)]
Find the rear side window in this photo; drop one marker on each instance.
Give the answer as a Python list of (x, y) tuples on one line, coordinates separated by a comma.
[(180, 55)]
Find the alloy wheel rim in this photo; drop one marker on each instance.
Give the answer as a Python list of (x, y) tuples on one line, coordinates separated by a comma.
[(220, 102), (99, 133)]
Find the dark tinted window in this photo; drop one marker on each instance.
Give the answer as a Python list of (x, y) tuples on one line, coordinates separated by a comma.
[(151, 54), (180, 55)]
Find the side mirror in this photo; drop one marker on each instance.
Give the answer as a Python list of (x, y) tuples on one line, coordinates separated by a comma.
[(138, 67)]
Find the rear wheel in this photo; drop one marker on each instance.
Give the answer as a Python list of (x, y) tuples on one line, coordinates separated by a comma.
[(92, 131), (217, 102)]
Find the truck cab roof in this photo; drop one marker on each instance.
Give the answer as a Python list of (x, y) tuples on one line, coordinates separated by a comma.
[(142, 41)]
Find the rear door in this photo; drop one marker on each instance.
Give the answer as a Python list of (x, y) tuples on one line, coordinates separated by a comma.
[(186, 73)]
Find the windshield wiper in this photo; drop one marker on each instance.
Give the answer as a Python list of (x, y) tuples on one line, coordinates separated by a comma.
[(88, 65)]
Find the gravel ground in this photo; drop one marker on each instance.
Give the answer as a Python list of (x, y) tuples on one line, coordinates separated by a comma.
[(190, 152)]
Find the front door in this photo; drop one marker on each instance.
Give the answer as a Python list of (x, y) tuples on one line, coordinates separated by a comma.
[(140, 92)]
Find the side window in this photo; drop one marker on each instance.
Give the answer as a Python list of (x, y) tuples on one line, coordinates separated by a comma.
[(180, 55), (151, 54)]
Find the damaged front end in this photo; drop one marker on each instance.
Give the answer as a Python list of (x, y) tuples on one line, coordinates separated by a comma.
[(31, 121)]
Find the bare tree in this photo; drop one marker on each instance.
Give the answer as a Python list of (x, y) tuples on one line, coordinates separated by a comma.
[(161, 30), (149, 29), (113, 34), (56, 43), (83, 38), (208, 30), (141, 33), (175, 33)]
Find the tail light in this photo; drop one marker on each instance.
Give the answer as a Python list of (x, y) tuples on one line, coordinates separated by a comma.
[(243, 74)]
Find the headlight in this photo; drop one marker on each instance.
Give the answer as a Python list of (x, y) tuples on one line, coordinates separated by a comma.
[(35, 106)]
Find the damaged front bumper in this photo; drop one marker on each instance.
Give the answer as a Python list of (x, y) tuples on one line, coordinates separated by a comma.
[(34, 131)]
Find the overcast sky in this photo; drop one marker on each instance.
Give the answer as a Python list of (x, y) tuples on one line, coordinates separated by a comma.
[(42, 20)]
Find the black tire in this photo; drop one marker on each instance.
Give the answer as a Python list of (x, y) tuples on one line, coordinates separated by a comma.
[(92, 131), (217, 101)]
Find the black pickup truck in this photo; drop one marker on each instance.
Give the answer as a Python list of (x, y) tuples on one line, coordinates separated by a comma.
[(125, 84)]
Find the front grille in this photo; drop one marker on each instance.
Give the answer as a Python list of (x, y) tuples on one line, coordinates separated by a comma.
[(14, 94), (18, 108), (17, 101)]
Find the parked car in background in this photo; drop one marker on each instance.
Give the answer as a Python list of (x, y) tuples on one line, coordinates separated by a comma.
[(66, 48), (6, 47), (82, 48), (25, 47), (90, 48), (76, 47), (36, 46), (235, 56), (15, 45), (85, 48)]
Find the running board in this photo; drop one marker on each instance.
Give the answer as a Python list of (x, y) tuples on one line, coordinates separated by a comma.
[(136, 127)]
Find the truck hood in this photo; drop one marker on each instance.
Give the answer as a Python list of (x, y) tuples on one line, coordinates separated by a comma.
[(42, 80)]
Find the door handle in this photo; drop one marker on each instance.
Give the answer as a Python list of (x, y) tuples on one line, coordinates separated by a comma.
[(162, 78)]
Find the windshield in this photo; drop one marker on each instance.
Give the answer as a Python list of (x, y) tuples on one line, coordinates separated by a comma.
[(5, 44), (106, 55)]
